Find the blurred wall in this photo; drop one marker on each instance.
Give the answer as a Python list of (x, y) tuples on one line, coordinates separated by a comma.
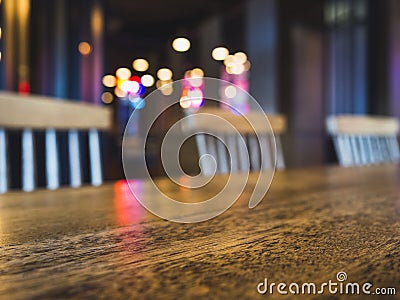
[(262, 47)]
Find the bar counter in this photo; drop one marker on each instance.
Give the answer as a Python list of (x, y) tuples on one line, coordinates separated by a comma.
[(99, 242)]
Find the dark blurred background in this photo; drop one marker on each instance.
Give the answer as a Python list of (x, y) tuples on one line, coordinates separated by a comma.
[(309, 58)]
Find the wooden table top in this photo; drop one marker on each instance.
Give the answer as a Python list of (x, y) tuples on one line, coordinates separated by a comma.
[(98, 242)]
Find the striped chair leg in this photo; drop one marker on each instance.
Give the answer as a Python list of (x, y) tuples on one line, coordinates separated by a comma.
[(95, 159), (385, 149), (346, 150), (355, 151), (74, 158), (369, 150), (266, 154), (380, 155), (233, 153), (375, 150), (363, 150), (389, 149), (254, 151), (206, 169), (394, 145), (52, 170), (222, 157), (212, 150), (338, 144), (3, 162), (244, 161), (28, 162)]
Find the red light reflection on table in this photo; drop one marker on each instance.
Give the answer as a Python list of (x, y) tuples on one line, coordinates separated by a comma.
[(128, 209)]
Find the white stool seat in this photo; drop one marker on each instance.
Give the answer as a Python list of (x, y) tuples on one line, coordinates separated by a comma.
[(364, 140)]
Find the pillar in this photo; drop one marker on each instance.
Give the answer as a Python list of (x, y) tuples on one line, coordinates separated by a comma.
[(261, 33)]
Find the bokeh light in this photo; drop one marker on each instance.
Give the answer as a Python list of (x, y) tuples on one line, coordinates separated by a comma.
[(184, 102), (230, 91), (240, 57), (131, 87), (197, 72), (136, 78), (161, 83), (119, 93), (194, 78), (107, 97), (247, 66), (181, 44), (84, 48), (220, 53), (195, 81), (229, 60), (195, 94), (141, 90), (164, 74), (196, 97), (109, 81), (140, 64), (147, 80), (123, 73), (167, 89), (237, 69)]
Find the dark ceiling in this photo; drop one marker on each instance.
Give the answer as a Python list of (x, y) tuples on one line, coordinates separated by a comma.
[(154, 21)]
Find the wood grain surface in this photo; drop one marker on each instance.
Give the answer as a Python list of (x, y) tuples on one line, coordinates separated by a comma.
[(98, 242)]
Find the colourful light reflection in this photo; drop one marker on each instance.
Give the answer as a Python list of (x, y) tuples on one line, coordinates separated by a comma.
[(141, 90), (128, 210), (131, 87), (136, 78), (192, 96), (137, 102)]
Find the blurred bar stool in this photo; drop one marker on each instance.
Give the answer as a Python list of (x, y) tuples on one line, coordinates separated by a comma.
[(207, 144), (31, 113), (364, 140)]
